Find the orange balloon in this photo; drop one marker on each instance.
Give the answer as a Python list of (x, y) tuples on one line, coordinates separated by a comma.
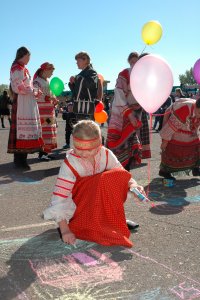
[(101, 117), (101, 78)]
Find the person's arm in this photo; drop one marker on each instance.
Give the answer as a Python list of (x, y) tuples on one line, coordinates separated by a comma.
[(20, 83), (62, 205), (67, 236), (173, 124), (100, 90), (114, 163), (71, 83), (133, 184)]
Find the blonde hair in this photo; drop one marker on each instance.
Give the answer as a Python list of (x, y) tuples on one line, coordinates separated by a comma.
[(180, 91), (86, 129)]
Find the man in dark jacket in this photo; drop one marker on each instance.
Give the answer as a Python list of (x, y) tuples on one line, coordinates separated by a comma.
[(84, 87)]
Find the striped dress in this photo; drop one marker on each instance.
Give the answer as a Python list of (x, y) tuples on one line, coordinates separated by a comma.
[(47, 115)]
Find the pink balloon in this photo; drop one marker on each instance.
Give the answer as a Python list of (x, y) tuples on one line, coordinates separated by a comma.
[(196, 71), (151, 82)]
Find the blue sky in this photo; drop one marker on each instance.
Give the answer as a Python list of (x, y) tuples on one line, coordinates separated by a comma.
[(108, 30)]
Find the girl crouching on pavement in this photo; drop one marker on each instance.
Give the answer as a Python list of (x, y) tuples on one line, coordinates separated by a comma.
[(90, 191)]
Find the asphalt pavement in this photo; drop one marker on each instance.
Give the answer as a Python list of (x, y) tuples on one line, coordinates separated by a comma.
[(163, 264)]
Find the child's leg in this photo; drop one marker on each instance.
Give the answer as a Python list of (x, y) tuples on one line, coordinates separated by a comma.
[(2, 122), (67, 136)]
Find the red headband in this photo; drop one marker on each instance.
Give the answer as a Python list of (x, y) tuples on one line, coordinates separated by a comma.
[(47, 66), (44, 66), (81, 144)]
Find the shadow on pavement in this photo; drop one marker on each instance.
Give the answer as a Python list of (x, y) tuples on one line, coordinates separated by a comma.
[(10, 174), (44, 261), (171, 200)]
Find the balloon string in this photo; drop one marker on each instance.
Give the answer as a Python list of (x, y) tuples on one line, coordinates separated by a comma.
[(149, 160), (150, 143), (143, 49)]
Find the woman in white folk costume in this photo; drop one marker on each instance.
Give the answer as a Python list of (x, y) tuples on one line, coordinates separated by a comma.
[(25, 131), (46, 103)]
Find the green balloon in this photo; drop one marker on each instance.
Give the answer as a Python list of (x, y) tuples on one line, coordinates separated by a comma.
[(56, 86)]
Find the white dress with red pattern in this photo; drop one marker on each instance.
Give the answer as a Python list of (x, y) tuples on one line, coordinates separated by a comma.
[(26, 133)]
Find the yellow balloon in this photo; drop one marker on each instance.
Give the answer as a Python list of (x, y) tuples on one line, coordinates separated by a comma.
[(151, 32)]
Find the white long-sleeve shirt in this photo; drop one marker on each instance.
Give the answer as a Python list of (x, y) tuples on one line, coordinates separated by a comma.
[(62, 205)]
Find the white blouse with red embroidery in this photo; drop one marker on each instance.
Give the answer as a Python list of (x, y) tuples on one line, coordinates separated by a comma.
[(62, 205)]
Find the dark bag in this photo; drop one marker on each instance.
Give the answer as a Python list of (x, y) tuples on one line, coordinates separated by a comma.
[(84, 106)]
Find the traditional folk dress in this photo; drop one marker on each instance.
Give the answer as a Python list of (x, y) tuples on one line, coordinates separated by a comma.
[(25, 131), (47, 115), (128, 143), (181, 130), (92, 198)]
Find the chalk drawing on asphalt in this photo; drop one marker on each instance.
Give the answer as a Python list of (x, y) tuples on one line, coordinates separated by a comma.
[(64, 272)]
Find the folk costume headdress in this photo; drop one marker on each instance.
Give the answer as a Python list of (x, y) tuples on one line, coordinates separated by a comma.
[(82, 144), (45, 66)]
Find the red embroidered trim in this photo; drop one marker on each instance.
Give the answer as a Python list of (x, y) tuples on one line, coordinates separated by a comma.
[(61, 195), (65, 179)]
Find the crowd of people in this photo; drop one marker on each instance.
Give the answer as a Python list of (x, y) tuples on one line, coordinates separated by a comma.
[(82, 212)]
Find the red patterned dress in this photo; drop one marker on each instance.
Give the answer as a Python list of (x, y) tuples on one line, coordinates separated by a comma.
[(47, 115), (129, 144), (181, 130), (91, 198)]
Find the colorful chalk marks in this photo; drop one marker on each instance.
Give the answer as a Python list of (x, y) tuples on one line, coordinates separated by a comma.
[(45, 267)]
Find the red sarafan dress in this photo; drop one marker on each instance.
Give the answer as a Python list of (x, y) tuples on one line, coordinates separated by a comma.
[(99, 214)]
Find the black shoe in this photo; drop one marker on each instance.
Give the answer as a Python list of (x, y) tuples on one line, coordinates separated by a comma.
[(165, 174), (24, 167), (196, 172), (66, 146), (131, 225)]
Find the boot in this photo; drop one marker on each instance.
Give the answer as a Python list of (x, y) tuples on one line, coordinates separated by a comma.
[(165, 174), (20, 161), (196, 171)]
